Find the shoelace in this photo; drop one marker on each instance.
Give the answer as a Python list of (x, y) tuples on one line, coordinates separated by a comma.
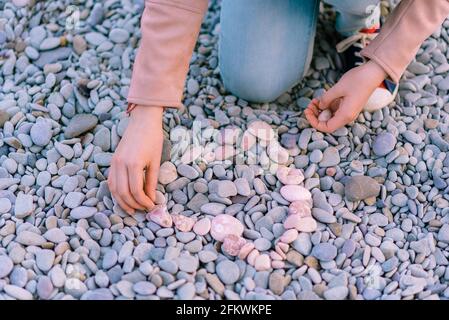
[(362, 37)]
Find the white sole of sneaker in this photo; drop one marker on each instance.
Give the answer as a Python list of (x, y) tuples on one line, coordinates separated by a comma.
[(380, 98)]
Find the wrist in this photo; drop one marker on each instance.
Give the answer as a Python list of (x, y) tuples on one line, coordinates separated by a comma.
[(376, 71), (147, 114)]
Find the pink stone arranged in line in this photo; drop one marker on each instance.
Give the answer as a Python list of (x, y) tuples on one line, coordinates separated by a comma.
[(262, 262), (232, 244), (183, 223), (300, 208), (289, 176), (277, 264), (302, 224), (245, 250), (224, 224), (160, 215), (289, 236), (296, 193), (252, 256), (202, 226)]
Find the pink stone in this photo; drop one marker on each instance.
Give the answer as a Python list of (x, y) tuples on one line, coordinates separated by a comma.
[(224, 224), (288, 175), (280, 252), (248, 140), (325, 115), (261, 130), (331, 171), (300, 208), (232, 244), (252, 256), (275, 256), (307, 224), (277, 264), (289, 236), (160, 215), (295, 193), (183, 223), (262, 263), (283, 246), (202, 227), (245, 250), (224, 152)]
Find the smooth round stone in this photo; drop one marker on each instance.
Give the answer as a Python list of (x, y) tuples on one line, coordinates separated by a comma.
[(188, 263), (41, 133), (75, 287), (336, 293), (20, 3), (19, 277), (325, 115), (118, 35), (202, 226), (324, 252), (399, 200), (412, 137), (82, 212), (44, 287), (361, 187), (262, 244), (302, 224), (6, 266), (144, 288), (245, 250), (295, 193), (29, 238), (262, 262), (186, 291), (226, 189), (384, 143), (331, 157), (289, 236), (223, 225), (167, 173), (17, 292), (192, 86), (228, 272), (261, 130), (45, 259), (23, 206), (289, 176), (187, 171), (5, 205), (80, 124), (110, 259)]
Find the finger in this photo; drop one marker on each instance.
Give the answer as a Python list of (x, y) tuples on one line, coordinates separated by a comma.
[(151, 177), (136, 185), (112, 180), (341, 117), (329, 96), (311, 114), (123, 188)]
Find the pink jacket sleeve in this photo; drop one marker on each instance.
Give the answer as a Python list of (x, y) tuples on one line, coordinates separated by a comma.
[(169, 32), (410, 23)]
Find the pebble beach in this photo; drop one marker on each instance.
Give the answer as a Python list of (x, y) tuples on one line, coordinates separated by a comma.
[(253, 203)]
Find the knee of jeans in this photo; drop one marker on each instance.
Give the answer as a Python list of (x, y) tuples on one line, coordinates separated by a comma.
[(254, 87)]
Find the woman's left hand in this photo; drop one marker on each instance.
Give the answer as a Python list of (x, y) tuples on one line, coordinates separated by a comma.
[(347, 98)]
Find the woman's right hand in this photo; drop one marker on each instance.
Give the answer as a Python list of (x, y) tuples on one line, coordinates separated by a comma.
[(134, 170)]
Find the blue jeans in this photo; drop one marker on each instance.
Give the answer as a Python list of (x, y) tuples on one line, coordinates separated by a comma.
[(266, 46)]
